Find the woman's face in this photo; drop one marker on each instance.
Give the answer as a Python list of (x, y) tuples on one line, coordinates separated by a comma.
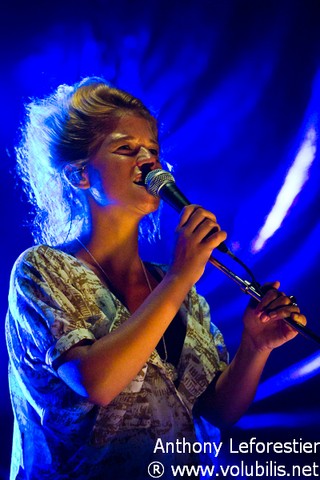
[(115, 169)]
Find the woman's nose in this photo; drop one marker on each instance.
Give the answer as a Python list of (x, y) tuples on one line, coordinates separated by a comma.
[(145, 156)]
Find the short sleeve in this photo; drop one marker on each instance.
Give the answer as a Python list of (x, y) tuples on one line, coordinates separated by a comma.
[(47, 309)]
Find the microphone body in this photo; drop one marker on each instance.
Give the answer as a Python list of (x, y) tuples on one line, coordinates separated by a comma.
[(161, 183)]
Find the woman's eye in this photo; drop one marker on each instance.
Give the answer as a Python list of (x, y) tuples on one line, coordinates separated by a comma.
[(124, 147), (154, 151), (132, 150), (126, 150)]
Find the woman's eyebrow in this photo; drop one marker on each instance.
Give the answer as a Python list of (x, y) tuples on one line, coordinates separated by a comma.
[(119, 138)]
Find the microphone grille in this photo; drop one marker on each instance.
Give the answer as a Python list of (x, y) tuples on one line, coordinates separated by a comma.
[(156, 179)]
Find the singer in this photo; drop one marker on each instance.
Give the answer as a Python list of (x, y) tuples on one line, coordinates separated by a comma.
[(108, 353)]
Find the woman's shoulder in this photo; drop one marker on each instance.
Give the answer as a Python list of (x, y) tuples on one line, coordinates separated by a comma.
[(41, 251), (43, 257)]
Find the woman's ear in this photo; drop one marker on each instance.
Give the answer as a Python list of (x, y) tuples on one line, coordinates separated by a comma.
[(77, 176)]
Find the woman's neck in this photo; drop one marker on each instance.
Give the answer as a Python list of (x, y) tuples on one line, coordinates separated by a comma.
[(113, 241)]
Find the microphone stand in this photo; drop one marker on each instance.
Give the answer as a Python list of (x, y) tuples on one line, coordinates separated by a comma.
[(254, 291)]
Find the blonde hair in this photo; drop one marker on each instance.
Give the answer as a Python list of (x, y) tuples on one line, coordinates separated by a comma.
[(64, 128)]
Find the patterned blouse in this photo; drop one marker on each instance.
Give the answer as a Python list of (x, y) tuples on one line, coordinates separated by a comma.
[(55, 302)]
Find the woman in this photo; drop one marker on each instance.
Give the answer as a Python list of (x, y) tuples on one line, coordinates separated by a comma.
[(109, 354)]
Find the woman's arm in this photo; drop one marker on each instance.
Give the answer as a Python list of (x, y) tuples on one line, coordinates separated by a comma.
[(100, 371), (264, 329)]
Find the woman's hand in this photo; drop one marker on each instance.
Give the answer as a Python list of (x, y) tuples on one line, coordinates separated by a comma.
[(197, 234), (264, 324)]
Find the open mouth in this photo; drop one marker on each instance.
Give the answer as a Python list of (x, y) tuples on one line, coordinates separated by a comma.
[(140, 183), (145, 169)]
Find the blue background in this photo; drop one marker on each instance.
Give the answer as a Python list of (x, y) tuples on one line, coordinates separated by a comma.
[(236, 87)]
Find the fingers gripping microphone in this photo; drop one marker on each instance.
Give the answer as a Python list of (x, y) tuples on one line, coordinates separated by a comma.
[(161, 183)]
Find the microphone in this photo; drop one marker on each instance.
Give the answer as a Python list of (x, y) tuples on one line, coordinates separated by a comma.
[(161, 183)]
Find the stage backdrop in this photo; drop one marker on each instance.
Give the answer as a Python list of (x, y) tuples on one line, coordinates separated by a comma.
[(235, 86)]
